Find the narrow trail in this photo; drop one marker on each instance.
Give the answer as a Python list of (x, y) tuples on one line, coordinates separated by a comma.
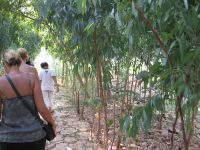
[(72, 133)]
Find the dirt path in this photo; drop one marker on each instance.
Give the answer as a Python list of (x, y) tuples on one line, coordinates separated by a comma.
[(72, 133)]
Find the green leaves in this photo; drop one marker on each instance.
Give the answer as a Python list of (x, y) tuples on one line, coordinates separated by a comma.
[(143, 75), (134, 11), (109, 123), (186, 3), (72, 29), (94, 3), (131, 124), (134, 127), (81, 5), (16, 30), (90, 28), (126, 123), (157, 103)]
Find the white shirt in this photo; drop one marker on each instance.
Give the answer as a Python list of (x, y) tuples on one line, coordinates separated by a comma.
[(46, 79)]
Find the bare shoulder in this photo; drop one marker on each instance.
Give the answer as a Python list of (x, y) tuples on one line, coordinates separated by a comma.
[(2, 81), (2, 78), (28, 68), (34, 70)]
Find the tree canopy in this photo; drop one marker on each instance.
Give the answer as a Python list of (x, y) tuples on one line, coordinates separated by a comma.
[(157, 42)]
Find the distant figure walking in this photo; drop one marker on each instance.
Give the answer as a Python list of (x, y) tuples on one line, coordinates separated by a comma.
[(19, 128), (47, 78)]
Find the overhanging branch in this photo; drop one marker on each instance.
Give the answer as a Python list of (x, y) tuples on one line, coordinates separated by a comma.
[(150, 26), (34, 19)]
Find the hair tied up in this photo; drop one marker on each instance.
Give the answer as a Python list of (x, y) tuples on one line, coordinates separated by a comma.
[(11, 57)]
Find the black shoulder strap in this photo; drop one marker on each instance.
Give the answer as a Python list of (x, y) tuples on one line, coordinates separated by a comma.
[(23, 100), (13, 86)]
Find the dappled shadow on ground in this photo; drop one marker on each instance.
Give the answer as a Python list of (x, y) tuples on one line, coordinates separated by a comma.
[(156, 138), (72, 133)]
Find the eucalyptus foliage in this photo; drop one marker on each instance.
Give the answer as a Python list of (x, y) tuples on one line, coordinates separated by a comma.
[(162, 35), (156, 41), (17, 27)]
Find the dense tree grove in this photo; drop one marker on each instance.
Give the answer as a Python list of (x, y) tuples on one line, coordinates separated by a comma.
[(15, 29), (110, 44)]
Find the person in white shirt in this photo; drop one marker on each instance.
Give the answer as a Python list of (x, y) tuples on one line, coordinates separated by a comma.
[(47, 79)]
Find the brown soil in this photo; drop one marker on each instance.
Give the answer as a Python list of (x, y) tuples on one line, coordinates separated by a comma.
[(80, 133)]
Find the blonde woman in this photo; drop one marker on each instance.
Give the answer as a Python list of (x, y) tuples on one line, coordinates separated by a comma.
[(24, 58), (19, 128)]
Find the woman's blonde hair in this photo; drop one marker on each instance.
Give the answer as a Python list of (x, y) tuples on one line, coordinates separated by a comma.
[(11, 57), (23, 53)]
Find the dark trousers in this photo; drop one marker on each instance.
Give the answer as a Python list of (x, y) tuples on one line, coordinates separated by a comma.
[(37, 145)]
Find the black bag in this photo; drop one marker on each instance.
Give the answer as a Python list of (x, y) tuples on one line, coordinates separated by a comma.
[(50, 134)]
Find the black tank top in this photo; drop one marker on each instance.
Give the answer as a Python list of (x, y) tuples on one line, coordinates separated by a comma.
[(18, 125)]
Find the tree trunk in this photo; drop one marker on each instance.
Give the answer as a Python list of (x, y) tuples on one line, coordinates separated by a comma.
[(125, 83), (101, 93), (63, 72), (82, 84)]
